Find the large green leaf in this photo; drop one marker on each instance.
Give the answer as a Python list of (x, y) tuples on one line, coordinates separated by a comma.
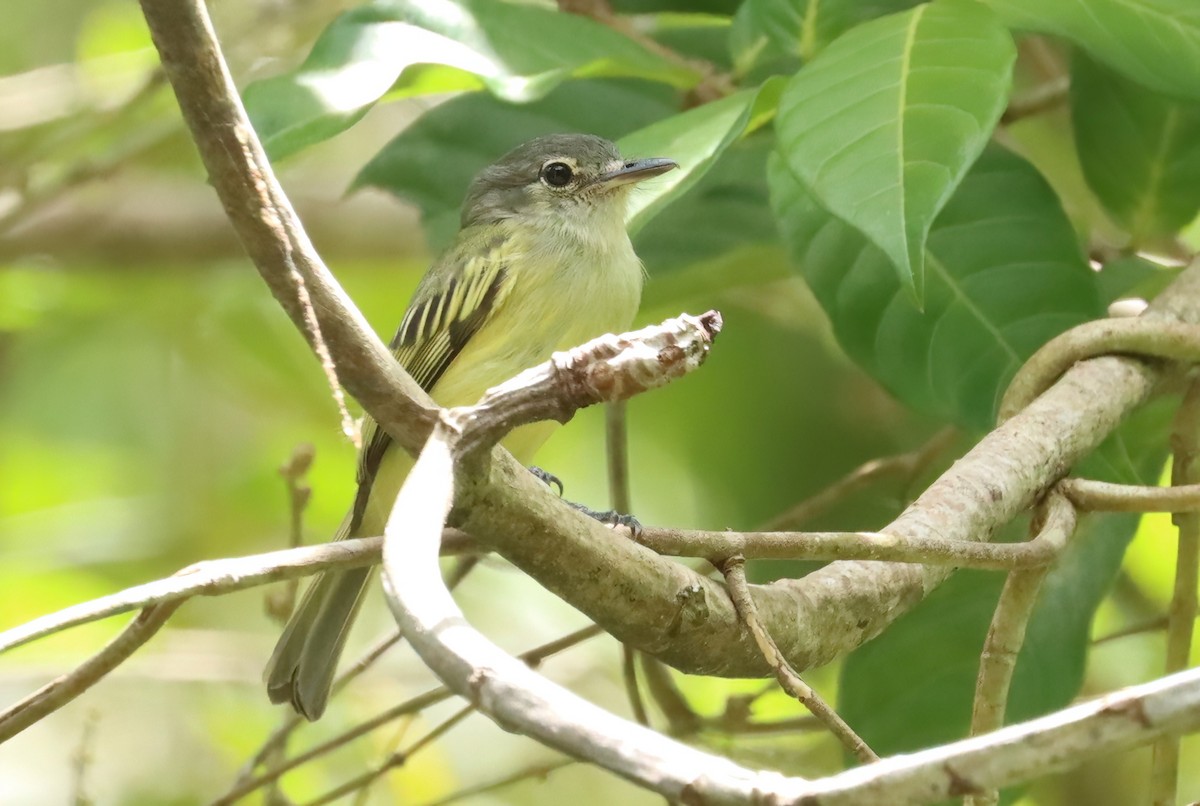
[(1005, 276), (883, 125), (1155, 42), (433, 161), (1140, 151), (409, 47)]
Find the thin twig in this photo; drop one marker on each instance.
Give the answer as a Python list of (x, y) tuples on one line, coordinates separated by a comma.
[(1181, 616), (714, 83), (904, 466), (241, 788), (734, 569), (393, 761), (281, 602), (536, 771), (629, 657), (616, 440), (362, 796), (82, 761), (1006, 634), (208, 578), (1106, 496), (56, 694), (1153, 625), (1140, 336), (681, 719), (846, 546)]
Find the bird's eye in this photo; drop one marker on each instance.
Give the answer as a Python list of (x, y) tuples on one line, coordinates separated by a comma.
[(557, 174)]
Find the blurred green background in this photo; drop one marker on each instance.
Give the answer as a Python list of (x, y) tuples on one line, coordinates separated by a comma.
[(150, 388)]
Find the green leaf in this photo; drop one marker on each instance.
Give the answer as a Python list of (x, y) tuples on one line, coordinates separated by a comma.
[(882, 126), (432, 162), (1154, 42), (1005, 276), (400, 48), (1140, 151)]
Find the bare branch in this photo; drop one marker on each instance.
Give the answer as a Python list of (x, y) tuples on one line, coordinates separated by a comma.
[(846, 546), (1020, 752), (683, 618), (1181, 616), (734, 570), (536, 771), (608, 369), (56, 694), (533, 657), (209, 578), (1140, 336), (519, 700), (1006, 634), (267, 225), (1105, 496)]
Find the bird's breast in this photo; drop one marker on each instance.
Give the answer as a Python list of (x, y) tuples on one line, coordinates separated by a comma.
[(560, 297)]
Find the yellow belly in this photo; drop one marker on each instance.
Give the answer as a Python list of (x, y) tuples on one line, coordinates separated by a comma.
[(520, 335)]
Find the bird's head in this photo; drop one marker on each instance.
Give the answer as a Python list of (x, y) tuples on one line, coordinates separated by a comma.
[(578, 179)]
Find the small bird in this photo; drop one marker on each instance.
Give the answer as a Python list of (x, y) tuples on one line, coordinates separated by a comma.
[(541, 262)]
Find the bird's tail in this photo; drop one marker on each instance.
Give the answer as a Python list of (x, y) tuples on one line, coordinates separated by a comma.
[(301, 669)]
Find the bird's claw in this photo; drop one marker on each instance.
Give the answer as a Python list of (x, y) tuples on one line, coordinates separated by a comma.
[(549, 479)]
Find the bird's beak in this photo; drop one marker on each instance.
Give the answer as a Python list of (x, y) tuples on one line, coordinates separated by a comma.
[(632, 171)]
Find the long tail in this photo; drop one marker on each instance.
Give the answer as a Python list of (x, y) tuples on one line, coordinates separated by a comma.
[(301, 669)]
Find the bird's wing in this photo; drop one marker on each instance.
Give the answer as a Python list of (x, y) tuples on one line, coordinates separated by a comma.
[(452, 303)]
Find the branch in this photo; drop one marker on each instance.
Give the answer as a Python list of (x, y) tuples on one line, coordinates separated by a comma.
[(56, 694), (1049, 744), (1181, 617), (210, 578), (734, 570), (1006, 634), (1139, 336), (267, 226)]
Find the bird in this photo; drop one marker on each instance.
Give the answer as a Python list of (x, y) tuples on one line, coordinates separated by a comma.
[(542, 261)]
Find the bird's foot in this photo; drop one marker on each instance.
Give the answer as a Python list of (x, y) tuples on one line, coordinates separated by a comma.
[(612, 518)]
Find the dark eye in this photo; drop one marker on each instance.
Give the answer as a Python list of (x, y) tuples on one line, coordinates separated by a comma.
[(557, 174)]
